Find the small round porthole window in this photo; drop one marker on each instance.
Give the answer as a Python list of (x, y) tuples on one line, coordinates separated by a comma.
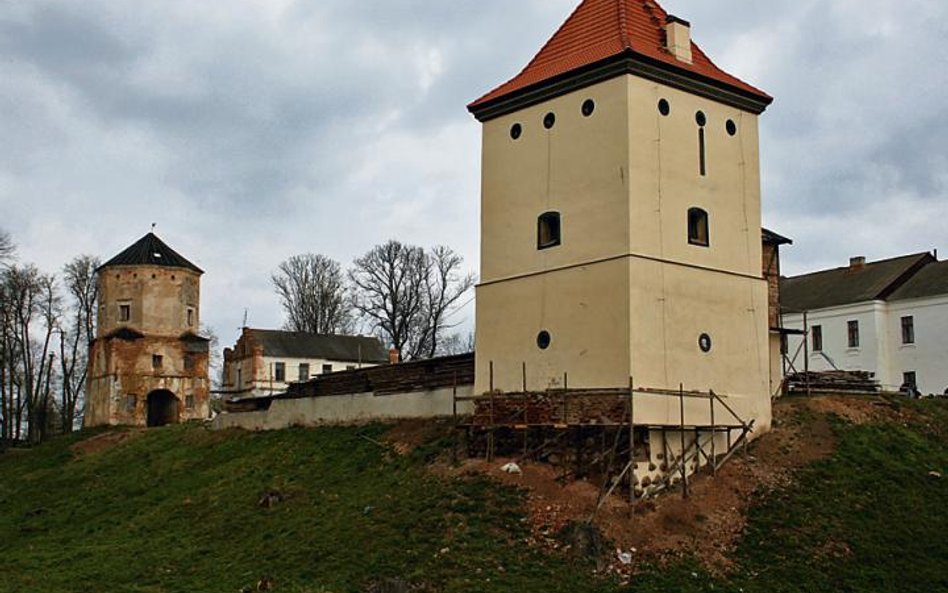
[(701, 118), (731, 127), (588, 107), (704, 342), (543, 340), (549, 120), (516, 131), (663, 107)]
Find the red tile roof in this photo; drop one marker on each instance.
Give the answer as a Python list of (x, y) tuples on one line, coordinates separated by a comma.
[(602, 29)]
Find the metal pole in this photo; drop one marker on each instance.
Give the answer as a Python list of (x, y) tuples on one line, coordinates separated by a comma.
[(684, 473), (526, 409), (806, 352), (565, 398), (631, 441), (714, 435), (490, 429), (454, 412)]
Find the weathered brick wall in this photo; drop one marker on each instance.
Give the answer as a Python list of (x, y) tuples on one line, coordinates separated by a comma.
[(771, 272)]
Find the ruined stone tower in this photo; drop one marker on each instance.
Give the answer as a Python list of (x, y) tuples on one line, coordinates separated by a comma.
[(148, 364)]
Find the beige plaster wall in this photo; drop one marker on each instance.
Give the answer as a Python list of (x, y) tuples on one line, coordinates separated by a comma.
[(625, 294), (356, 408)]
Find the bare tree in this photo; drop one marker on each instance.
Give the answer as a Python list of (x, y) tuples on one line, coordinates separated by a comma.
[(31, 311), (314, 295), (7, 248), (457, 343), (76, 333), (407, 294), (214, 367)]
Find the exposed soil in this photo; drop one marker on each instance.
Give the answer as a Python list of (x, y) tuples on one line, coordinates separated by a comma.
[(407, 435), (105, 441), (709, 523)]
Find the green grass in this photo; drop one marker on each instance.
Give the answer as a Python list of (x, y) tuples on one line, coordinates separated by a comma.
[(868, 519), (176, 510)]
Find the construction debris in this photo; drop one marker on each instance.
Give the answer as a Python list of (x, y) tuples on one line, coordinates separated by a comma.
[(832, 382), (512, 468)]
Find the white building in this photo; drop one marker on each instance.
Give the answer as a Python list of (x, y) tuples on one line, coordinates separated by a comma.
[(265, 362), (888, 317)]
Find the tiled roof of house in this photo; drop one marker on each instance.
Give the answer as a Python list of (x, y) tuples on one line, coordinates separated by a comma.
[(602, 29), (853, 284), (289, 344), (151, 251), (932, 280)]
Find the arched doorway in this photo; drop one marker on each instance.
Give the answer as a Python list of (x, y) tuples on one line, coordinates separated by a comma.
[(162, 408)]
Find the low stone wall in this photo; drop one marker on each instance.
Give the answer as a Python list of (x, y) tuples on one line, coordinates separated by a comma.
[(356, 408)]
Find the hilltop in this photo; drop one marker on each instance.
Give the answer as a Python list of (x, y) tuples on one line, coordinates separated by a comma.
[(845, 494)]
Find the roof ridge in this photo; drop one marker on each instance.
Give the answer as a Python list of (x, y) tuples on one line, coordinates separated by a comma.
[(920, 254), (600, 33), (623, 25)]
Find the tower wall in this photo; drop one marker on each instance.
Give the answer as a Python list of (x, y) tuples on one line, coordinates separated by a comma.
[(151, 346), (625, 293)]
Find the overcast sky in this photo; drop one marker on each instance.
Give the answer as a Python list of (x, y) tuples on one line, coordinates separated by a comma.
[(252, 130)]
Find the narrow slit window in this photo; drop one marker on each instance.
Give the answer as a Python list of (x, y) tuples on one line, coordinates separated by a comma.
[(816, 332), (698, 227), (125, 312), (702, 159), (701, 119), (548, 230)]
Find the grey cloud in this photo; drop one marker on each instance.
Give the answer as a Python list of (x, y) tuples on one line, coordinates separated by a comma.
[(253, 130)]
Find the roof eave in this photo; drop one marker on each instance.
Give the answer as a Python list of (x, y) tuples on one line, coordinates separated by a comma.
[(627, 62)]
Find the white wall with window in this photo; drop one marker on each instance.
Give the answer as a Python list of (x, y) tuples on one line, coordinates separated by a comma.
[(926, 354), (277, 373), (830, 345), (898, 341)]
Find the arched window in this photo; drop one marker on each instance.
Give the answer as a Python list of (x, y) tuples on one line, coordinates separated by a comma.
[(548, 230), (698, 227)]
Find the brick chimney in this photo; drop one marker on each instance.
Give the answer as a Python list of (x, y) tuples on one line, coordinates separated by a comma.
[(394, 356), (857, 263), (678, 38)]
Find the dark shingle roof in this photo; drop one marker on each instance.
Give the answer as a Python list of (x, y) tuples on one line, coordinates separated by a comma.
[(151, 251), (302, 345), (844, 286), (932, 280), (772, 238)]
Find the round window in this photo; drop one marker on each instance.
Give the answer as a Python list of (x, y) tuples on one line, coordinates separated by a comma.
[(704, 342), (543, 340), (515, 131), (731, 127), (588, 107), (701, 118), (663, 107), (549, 120)]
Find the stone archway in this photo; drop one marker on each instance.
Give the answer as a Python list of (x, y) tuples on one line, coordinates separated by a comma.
[(162, 408)]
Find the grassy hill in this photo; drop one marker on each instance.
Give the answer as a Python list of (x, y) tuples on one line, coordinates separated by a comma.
[(185, 509)]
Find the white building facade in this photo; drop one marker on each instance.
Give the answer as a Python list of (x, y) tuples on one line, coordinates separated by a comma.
[(896, 325), (266, 362)]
